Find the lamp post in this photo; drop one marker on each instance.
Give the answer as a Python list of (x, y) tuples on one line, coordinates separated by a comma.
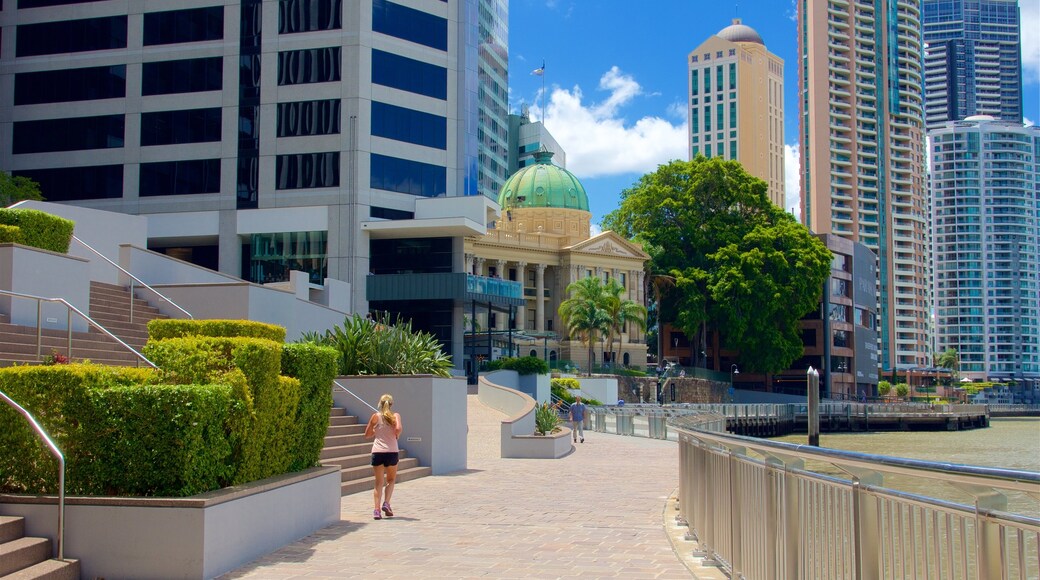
[(733, 370)]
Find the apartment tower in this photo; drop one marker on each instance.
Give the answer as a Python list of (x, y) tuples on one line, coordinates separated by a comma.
[(986, 234), (737, 104), (972, 60), (860, 115)]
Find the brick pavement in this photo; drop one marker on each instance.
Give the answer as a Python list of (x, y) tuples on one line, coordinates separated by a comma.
[(600, 512)]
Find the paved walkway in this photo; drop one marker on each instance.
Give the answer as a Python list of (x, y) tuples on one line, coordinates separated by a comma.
[(601, 512)]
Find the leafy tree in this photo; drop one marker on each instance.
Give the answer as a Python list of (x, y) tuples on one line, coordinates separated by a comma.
[(949, 360), (902, 389), (740, 264), (884, 388), (620, 311), (15, 189), (584, 314)]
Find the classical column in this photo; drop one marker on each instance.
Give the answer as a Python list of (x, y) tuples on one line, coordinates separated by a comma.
[(500, 269), (469, 263), (539, 301), (480, 267), (521, 311)]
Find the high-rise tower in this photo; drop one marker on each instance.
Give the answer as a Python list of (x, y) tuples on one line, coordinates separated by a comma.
[(861, 129), (972, 60), (985, 175), (737, 104), (493, 95)]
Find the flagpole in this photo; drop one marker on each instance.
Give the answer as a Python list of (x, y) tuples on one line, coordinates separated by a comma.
[(543, 92)]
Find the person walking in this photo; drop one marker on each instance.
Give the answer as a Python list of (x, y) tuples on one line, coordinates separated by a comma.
[(577, 416), (384, 427)]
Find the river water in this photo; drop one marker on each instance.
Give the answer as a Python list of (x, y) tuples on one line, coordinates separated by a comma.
[(1012, 443)]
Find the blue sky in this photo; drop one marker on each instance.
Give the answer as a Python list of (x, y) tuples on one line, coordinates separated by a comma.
[(615, 78)]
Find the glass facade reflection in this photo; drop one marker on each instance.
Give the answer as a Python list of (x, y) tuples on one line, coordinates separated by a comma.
[(272, 256)]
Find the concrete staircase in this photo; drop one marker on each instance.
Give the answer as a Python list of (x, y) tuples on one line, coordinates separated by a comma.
[(23, 558), (109, 307), (345, 446)]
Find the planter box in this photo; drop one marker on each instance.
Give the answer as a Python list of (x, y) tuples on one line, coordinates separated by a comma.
[(47, 274), (201, 536), (518, 438)]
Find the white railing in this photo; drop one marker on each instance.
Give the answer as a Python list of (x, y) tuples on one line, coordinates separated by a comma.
[(132, 280), (758, 512), (70, 311), (53, 448)]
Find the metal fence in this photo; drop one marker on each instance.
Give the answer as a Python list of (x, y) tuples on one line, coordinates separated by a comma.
[(758, 512)]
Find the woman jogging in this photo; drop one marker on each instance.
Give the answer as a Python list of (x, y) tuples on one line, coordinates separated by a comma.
[(384, 427)]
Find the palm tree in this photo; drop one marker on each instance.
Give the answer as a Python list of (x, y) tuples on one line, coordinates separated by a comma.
[(621, 311), (584, 313)]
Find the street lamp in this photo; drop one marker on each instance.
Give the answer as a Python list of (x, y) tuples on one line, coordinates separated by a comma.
[(733, 370)]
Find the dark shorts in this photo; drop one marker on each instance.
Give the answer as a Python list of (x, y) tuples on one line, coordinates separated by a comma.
[(385, 459)]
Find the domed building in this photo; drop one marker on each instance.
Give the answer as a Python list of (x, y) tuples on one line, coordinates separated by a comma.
[(542, 239)]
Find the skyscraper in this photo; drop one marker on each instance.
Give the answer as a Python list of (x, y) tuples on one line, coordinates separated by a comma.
[(493, 95), (861, 129), (263, 136), (972, 60), (737, 104), (985, 175)]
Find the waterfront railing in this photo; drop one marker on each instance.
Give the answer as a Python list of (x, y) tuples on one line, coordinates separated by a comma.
[(757, 511)]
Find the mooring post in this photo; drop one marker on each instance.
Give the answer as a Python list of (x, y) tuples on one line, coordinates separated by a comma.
[(813, 418)]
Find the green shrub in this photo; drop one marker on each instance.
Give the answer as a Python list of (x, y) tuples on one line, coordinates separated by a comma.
[(884, 388), (315, 367), (59, 398), (546, 419), (368, 347), (40, 229), (528, 365), (161, 440), (559, 388), (902, 389), (162, 329), (10, 234), (564, 384)]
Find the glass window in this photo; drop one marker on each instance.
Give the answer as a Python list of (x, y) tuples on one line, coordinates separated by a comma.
[(309, 118), (180, 177), (707, 80), (719, 149), (307, 170), (408, 125), (732, 115), (71, 36), (694, 120), (77, 84), (719, 116), (732, 76), (718, 76), (177, 26), (389, 214), (694, 81), (176, 127), (411, 255), (405, 176), (409, 24), (707, 118), (273, 255), (313, 65), (43, 3), (732, 149), (194, 75), (75, 134), (309, 15), (841, 338), (414, 76), (77, 183)]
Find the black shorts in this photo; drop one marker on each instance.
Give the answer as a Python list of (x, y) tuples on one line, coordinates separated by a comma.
[(387, 459)]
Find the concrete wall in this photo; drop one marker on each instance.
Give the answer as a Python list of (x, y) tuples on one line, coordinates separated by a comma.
[(433, 414), (197, 537), (603, 389), (46, 274), (518, 438), (103, 230), (538, 386)]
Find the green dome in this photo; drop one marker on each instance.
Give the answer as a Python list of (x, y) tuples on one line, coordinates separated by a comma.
[(543, 185)]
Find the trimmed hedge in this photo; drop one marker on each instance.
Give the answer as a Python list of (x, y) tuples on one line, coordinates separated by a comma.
[(40, 229), (162, 329), (315, 367), (527, 365), (10, 234)]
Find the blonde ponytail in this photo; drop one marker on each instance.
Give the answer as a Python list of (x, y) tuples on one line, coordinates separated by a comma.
[(385, 403)]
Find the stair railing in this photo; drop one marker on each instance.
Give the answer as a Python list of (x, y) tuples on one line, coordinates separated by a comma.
[(61, 468), (132, 280), (349, 392), (70, 309)]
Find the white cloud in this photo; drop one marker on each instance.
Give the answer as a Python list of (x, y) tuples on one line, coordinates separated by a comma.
[(1029, 24), (596, 136), (595, 230), (792, 180), (677, 111), (792, 12), (1028, 122)]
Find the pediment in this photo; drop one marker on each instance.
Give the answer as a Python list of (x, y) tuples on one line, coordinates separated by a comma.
[(610, 244)]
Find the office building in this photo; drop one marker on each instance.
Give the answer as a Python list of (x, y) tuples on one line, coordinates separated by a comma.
[(527, 137), (737, 104), (861, 130), (334, 137), (493, 95), (986, 233), (972, 60)]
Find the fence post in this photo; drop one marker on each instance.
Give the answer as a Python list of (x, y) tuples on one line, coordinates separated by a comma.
[(866, 527), (987, 534)]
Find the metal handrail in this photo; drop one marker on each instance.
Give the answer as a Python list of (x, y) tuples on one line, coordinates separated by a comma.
[(132, 280), (61, 468), (351, 393), (39, 324)]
